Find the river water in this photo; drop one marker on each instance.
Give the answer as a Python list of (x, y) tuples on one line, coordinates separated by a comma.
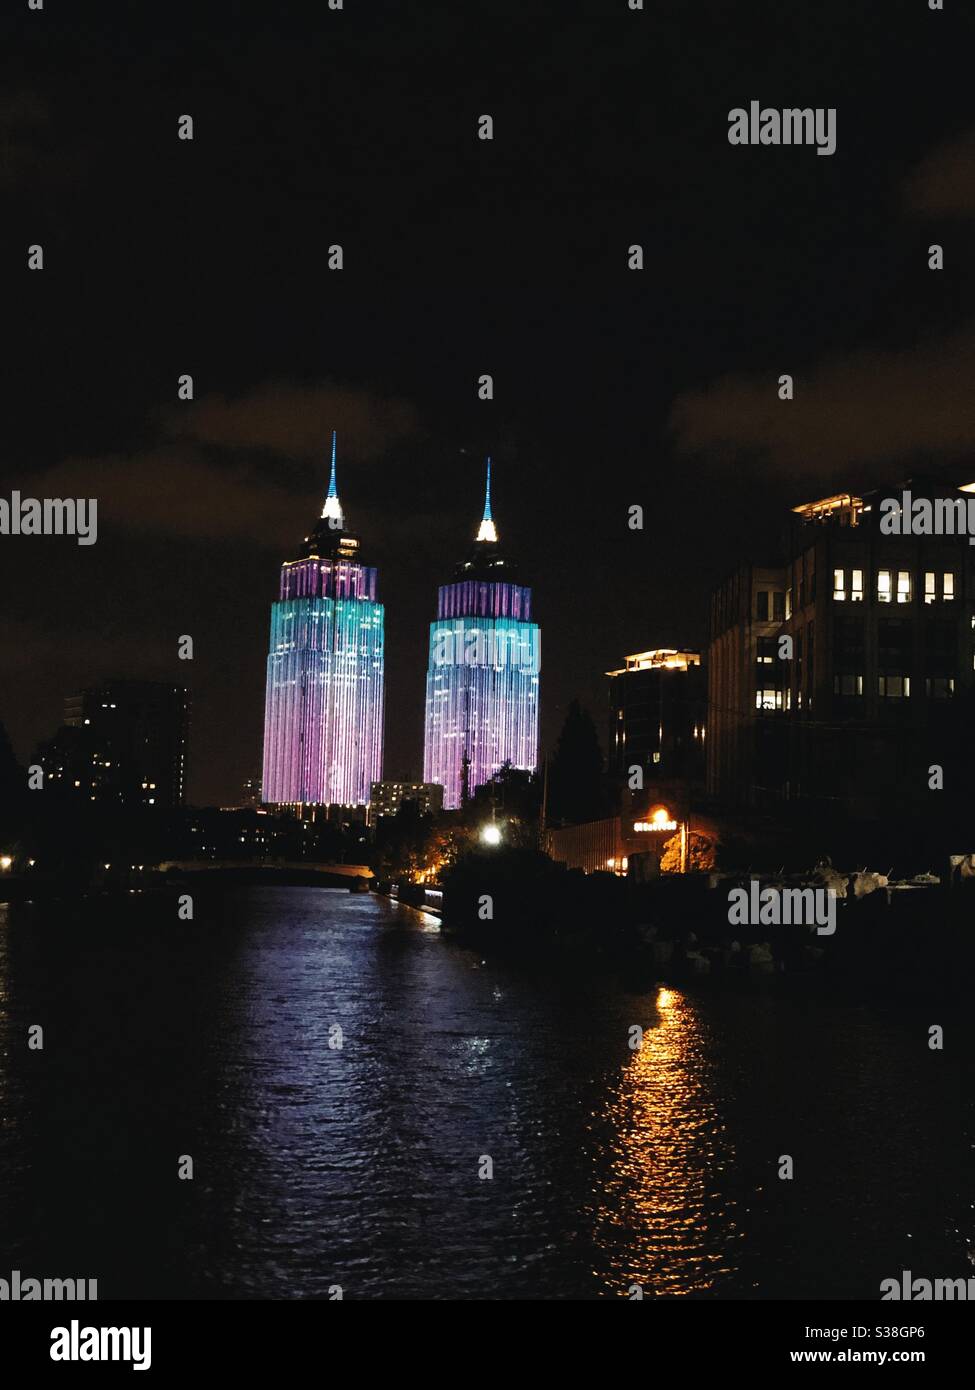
[(364, 1166)]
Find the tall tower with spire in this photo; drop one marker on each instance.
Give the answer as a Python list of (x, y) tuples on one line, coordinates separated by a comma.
[(323, 713), (483, 671)]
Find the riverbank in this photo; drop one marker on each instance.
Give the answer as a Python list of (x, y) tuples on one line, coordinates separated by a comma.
[(685, 926)]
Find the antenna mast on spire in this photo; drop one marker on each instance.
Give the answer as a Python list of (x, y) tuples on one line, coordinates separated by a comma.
[(332, 510), (487, 531)]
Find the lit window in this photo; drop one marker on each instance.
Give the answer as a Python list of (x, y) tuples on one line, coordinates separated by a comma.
[(948, 591), (847, 685), (856, 587), (939, 687), (839, 586), (788, 606), (894, 687), (883, 586), (768, 699), (903, 586), (930, 589)]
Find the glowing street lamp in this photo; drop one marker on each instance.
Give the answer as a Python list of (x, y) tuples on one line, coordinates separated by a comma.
[(5, 862), (491, 834)]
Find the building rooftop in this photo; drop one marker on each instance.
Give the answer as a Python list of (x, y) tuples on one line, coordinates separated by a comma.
[(661, 658), (844, 506)]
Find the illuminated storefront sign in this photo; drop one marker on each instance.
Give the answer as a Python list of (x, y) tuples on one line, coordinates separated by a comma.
[(660, 819)]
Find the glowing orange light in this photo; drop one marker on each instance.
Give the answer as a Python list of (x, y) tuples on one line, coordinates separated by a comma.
[(660, 819)]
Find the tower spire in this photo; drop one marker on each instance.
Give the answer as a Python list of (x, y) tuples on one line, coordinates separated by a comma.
[(332, 489), (332, 510), (487, 531)]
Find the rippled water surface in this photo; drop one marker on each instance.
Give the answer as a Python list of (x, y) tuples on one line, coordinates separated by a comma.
[(360, 1165)]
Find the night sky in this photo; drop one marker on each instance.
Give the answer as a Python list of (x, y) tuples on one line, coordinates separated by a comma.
[(461, 257)]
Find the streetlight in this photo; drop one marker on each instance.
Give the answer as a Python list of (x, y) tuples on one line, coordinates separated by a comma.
[(491, 834)]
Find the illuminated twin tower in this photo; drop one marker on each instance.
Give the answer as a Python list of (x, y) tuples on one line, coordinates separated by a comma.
[(482, 675), (323, 721), (323, 716)]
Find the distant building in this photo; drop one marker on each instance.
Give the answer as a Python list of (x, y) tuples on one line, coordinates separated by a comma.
[(658, 710), (242, 833), (251, 792), (256, 835), (324, 708), (385, 798), (123, 744), (632, 842), (746, 681), (482, 678), (875, 680)]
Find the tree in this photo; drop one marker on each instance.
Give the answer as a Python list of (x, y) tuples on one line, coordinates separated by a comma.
[(513, 797), (402, 840), (512, 791), (576, 787), (13, 788), (701, 854)]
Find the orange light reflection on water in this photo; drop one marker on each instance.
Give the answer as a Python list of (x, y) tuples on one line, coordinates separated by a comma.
[(660, 1219)]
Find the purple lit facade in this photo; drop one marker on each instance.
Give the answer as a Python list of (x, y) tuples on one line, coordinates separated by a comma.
[(323, 718), (483, 674)]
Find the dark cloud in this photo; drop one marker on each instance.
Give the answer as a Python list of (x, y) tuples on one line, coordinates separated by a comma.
[(297, 420), (943, 184), (176, 490), (861, 408), (253, 467)]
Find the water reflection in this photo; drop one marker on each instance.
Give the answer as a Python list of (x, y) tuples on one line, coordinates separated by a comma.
[(358, 1165), (661, 1220)]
